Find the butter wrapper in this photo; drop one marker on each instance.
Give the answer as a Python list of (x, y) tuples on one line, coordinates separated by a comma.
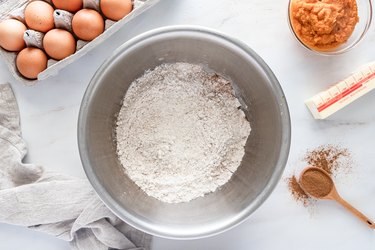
[(342, 93)]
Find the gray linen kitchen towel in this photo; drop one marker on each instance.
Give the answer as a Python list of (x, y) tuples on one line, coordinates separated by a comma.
[(59, 205)]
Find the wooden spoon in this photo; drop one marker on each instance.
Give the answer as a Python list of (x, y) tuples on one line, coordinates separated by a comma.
[(318, 183)]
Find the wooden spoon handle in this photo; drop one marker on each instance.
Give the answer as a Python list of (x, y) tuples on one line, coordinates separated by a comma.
[(354, 211)]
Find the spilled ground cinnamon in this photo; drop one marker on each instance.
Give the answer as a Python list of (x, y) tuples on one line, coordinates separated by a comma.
[(331, 158), (328, 157), (297, 191)]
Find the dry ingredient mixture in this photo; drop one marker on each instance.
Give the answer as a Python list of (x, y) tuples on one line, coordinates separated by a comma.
[(323, 24), (333, 159), (180, 132), (316, 183)]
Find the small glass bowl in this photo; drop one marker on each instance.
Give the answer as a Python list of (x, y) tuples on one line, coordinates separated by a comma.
[(360, 30)]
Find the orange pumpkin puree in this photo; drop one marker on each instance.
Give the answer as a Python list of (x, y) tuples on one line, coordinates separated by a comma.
[(323, 24)]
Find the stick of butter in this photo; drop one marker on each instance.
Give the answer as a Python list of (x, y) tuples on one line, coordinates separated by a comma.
[(343, 93)]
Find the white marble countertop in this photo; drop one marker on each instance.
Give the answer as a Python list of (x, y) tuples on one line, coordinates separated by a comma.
[(49, 114)]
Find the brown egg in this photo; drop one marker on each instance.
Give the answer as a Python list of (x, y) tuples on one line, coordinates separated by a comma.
[(39, 16), (87, 24), (11, 35), (59, 44), (68, 5), (116, 9), (31, 61)]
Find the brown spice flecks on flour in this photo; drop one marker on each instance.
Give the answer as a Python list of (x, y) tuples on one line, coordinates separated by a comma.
[(327, 157), (181, 132)]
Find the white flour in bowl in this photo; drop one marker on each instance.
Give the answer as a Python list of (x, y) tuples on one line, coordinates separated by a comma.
[(180, 132)]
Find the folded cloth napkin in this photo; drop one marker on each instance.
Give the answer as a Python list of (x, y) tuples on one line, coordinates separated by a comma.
[(59, 205)]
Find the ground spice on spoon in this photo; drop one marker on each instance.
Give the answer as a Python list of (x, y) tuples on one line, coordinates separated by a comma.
[(333, 159), (316, 183)]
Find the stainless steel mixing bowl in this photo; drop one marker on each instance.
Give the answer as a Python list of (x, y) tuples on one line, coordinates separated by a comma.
[(267, 147)]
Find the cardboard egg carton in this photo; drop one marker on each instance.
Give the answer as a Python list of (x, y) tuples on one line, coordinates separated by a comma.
[(14, 8)]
